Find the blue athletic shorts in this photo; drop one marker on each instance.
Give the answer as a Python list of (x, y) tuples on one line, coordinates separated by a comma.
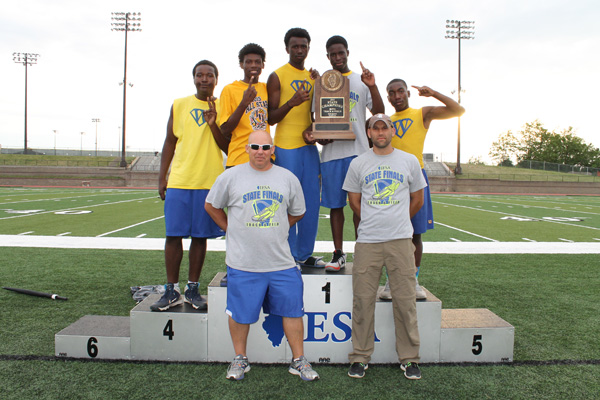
[(185, 215), (333, 174), (278, 293), (423, 219)]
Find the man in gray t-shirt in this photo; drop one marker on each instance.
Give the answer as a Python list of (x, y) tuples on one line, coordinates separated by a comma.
[(263, 201), (385, 189)]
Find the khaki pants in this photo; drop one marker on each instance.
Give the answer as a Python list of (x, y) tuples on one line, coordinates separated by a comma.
[(369, 259)]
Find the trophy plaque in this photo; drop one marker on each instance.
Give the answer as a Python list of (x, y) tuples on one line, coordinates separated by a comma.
[(332, 107)]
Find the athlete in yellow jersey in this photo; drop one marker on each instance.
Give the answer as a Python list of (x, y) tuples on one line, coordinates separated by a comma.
[(244, 104), (411, 128), (290, 91), (193, 144)]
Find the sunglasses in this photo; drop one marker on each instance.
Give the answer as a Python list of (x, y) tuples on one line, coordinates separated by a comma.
[(265, 147)]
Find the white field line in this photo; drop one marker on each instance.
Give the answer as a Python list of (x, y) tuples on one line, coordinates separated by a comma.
[(64, 234), (83, 196), (130, 226), (467, 232), (520, 216), (26, 233), (529, 240), (511, 205), (120, 243), (75, 208)]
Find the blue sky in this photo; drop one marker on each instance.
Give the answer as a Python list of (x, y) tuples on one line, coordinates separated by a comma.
[(529, 60)]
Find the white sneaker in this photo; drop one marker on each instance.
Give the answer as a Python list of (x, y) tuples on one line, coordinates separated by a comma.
[(386, 293), (421, 295), (338, 262)]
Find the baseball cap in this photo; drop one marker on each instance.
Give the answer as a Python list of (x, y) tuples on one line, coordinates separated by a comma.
[(380, 117)]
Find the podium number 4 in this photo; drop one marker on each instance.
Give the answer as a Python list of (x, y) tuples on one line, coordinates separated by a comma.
[(477, 345), (168, 331)]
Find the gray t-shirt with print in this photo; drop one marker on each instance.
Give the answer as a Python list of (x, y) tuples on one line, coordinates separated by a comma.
[(385, 183), (258, 203)]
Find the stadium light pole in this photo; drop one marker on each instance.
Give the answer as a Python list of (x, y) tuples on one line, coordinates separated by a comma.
[(96, 120), (54, 141), (81, 144), (459, 30), (125, 22), (25, 59)]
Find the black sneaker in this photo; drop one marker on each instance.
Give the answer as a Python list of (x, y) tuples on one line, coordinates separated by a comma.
[(192, 296), (411, 370), (357, 370), (171, 298)]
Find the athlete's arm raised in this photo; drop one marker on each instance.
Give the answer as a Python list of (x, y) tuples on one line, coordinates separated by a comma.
[(451, 108)]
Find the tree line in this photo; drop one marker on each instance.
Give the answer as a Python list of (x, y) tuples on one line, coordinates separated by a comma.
[(536, 143)]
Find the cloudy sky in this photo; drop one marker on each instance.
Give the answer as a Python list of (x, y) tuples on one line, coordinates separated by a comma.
[(530, 60)]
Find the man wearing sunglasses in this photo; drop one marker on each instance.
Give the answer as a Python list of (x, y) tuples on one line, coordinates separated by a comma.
[(263, 201)]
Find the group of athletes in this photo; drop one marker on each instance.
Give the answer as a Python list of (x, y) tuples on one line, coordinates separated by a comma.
[(272, 192)]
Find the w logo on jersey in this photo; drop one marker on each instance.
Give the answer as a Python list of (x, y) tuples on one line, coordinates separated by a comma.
[(298, 84), (402, 125), (198, 116)]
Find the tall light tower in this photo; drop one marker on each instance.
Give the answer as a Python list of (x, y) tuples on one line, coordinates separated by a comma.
[(25, 59), (81, 144), (125, 22), (459, 30), (54, 141), (96, 120)]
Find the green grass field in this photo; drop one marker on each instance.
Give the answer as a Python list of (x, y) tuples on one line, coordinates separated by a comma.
[(552, 301)]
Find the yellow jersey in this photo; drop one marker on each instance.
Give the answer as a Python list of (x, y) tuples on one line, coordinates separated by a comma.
[(198, 160), (288, 134), (410, 132), (254, 118)]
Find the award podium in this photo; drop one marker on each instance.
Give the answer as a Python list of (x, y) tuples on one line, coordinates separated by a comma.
[(185, 334)]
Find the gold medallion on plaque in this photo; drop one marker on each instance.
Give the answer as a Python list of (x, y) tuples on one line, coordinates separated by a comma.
[(332, 107), (332, 80)]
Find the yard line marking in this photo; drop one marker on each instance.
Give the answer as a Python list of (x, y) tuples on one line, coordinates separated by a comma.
[(74, 208), (64, 234), (595, 238), (455, 240), (523, 216), (120, 243), (566, 240), (541, 207), (141, 236), (529, 240), (130, 226), (26, 233), (467, 232)]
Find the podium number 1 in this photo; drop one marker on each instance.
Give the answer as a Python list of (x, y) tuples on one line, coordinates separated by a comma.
[(327, 290)]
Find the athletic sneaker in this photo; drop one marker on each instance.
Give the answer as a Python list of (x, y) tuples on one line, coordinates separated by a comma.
[(411, 370), (386, 293), (421, 295), (315, 262), (238, 367), (338, 261), (193, 297), (302, 368), (223, 282), (170, 298), (357, 370)]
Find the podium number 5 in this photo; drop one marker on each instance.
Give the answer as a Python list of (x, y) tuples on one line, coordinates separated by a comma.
[(477, 345)]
